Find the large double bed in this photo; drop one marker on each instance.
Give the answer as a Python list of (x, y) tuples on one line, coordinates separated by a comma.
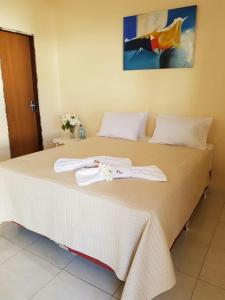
[(129, 225)]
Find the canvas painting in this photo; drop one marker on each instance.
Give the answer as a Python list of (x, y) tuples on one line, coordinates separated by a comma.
[(161, 39)]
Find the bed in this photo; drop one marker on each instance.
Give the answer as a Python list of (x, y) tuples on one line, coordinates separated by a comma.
[(129, 225)]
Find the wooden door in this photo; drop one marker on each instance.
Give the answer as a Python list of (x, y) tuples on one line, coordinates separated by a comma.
[(20, 92)]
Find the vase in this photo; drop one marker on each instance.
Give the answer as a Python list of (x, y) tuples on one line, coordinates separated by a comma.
[(72, 132)]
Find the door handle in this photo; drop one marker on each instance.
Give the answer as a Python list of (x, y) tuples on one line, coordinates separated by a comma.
[(33, 106)]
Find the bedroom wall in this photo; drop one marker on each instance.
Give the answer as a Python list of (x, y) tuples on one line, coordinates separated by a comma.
[(92, 80), (35, 17)]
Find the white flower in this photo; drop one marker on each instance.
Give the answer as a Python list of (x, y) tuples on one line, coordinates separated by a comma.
[(106, 171), (77, 119), (70, 119), (72, 122)]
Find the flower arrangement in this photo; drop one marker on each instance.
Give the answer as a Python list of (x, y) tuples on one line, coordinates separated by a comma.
[(69, 122), (106, 171)]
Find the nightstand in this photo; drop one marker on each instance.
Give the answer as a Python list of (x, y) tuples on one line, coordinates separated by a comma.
[(64, 140)]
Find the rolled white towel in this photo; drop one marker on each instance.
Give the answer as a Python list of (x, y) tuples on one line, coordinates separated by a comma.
[(108, 173), (70, 164)]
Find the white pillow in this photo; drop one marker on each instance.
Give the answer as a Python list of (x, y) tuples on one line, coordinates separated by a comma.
[(125, 125), (185, 131)]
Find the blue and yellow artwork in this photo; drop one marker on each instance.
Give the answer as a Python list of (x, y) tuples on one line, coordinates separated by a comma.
[(161, 39)]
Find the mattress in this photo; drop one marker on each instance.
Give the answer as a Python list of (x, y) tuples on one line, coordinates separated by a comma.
[(127, 224)]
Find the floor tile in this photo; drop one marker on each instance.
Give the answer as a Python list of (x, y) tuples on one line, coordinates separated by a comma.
[(183, 289), (188, 255), (219, 237), (17, 234), (201, 229), (223, 215), (206, 291), (69, 287), (213, 270), (50, 251), (90, 272), (209, 208), (7, 250), (23, 275), (216, 194), (119, 291)]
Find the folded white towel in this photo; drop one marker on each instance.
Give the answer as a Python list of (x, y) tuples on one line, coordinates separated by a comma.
[(105, 172), (70, 164)]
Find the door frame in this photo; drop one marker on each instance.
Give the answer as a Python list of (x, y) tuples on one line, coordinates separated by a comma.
[(35, 83)]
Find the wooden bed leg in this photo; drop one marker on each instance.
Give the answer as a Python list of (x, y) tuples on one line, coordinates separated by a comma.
[(187, 225)]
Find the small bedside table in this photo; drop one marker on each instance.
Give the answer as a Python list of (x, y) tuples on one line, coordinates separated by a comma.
[(63, 140)]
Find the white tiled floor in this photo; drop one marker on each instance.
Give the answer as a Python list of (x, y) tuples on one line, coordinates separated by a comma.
[(35, 268), (199, 254)]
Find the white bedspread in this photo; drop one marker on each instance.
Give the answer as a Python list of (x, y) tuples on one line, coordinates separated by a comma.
[(128, 224)]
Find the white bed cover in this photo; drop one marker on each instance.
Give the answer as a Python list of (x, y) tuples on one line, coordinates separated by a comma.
[(128, 224)]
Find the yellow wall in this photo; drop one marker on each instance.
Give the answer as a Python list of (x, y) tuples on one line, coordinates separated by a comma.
[(34, 17), (92, 79)]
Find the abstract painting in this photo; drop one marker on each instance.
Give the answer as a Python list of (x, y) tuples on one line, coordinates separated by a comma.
[(161, 39)]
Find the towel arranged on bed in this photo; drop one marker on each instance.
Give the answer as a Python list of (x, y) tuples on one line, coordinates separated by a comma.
[(70, 164), (108, 173)]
